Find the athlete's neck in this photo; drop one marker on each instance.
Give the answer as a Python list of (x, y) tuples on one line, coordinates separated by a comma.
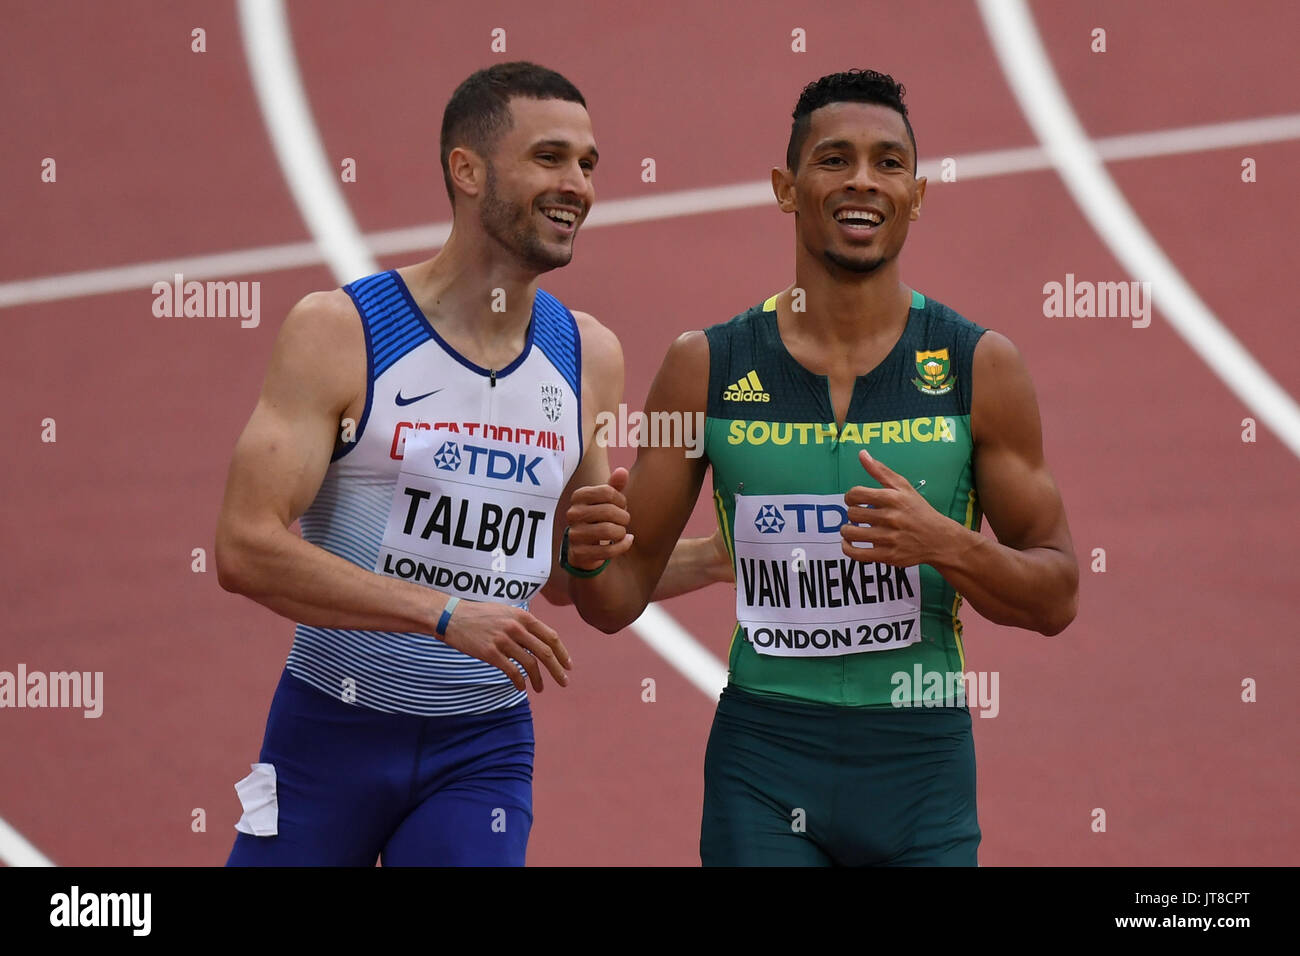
[(844, 308), (477, 298)]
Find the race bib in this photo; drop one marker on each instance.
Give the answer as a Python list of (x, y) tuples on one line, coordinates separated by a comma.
[(798, 595), (472, 517)]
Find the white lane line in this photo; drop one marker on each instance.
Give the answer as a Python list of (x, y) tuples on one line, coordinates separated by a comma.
[(140, 276), (670, 641), (1031, 77), (1196, 139), (284, 106), (16, 851), (1165, 142), (982, 165), (273, 67)]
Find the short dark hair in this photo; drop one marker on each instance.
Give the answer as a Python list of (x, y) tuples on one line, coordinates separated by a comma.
[(853, 86), (479, 111)]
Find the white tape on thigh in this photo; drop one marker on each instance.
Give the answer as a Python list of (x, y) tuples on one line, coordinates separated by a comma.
[(261, 806)]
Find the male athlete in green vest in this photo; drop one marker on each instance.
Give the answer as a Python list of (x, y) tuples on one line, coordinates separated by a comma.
[(858, 431)]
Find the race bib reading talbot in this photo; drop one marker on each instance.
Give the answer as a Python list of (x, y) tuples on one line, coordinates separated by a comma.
[(472, 517), (798, 595)]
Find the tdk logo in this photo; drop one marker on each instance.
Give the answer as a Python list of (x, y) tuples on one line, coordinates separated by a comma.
[(769, 520), (448, 456), (824, 519), (490, 463)]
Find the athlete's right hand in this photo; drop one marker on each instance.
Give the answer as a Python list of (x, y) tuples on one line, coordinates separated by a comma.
[(598, 520), (500, 634)]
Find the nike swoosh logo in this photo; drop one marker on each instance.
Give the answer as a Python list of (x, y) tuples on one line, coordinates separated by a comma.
[(409, 401)]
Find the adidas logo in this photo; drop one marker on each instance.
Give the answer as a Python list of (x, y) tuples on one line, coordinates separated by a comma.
[(748, 389)]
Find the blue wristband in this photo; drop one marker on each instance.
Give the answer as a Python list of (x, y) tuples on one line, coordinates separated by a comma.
[(443, 621)]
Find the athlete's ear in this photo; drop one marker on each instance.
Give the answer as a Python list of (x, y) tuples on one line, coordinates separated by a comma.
[(783, 188), (467, 169), (916, 200)]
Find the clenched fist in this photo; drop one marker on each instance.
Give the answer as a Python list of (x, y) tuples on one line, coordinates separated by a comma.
[(598, 521)]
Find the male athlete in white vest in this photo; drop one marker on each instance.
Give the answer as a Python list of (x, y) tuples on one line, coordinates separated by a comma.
[(426, 425)]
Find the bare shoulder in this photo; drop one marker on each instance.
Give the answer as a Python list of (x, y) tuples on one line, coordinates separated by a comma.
[(1003, 402), (999, 370), (328, 319), (682, 383), (995, 352), (320, 351), (602, 352), (689, 354)]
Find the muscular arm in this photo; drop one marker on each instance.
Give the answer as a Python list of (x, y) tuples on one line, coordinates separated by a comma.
[(693, 562), (317, 369), (1029, 577), (660, 495)]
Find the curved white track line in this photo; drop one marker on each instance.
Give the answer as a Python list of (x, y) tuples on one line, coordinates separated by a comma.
[(316, 187), (1030, 75), (16, 851), (671, 641)]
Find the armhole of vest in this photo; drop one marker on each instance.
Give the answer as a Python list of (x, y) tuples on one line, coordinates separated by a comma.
[(973, 337), (370, 378), (577, 358), (718, 341)]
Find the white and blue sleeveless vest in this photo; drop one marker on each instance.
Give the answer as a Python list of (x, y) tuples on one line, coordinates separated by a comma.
[(451, 482)]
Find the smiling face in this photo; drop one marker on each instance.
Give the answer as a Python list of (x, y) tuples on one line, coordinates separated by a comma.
[(855, 192), (538, 188)]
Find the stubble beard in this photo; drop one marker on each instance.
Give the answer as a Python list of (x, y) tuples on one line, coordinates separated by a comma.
[(857, 266), (512, 227)]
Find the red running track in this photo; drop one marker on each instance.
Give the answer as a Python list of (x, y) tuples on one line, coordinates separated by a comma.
[(162, 153)]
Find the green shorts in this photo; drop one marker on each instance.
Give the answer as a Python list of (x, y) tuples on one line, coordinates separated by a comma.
[(793, 783)]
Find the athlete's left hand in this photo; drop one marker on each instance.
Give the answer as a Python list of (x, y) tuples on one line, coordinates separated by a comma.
[(905, 529)]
